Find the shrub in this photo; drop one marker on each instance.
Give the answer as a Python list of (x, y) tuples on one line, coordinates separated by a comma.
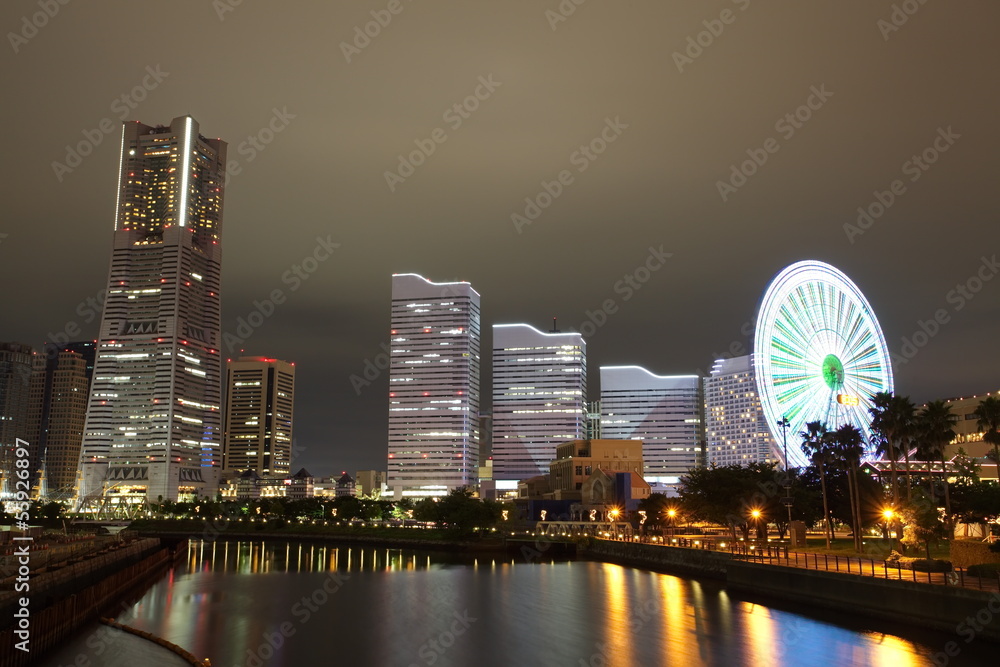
[(918, 564), (983, 570)]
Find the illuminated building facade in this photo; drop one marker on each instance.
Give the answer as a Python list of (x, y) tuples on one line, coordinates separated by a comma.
[(539, 399), (662, 411), (154, 419), (736, 431), (15, 393), (260, 395), (434, 372), (59, 391)]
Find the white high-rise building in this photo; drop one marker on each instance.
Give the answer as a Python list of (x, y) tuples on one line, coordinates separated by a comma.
[(662, 411), (539, 399), (154, 419), (434, 373), (735, 428)]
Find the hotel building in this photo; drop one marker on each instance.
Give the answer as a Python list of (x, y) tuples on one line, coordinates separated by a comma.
[(736, 431)]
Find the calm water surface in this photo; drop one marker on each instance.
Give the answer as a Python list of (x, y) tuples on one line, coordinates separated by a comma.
[(299, 604)]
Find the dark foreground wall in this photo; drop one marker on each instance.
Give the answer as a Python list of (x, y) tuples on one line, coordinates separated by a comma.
[(968, 613), (63, 600)]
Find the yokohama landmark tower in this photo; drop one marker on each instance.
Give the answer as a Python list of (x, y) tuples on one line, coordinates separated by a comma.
[(154, 419)]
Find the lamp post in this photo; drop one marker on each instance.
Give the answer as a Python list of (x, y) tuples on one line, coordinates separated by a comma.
[(787, 500)]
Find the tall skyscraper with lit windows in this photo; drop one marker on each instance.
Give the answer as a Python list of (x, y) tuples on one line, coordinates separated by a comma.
[(539, 399), (154, 418), (260, 397), (434, 369), (664, 411), (736, 430)]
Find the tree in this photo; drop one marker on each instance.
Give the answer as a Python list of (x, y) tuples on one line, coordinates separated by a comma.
[(655, 507), (816, 445), (847, 444), (988, 415), (892, 420), (923, 523), (726, 496), (935, 427)]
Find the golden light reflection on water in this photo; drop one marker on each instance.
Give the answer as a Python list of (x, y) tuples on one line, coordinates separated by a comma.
[(618, 637), (638, 617)]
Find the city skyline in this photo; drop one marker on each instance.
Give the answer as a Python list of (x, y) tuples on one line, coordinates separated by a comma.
[(883, 171)]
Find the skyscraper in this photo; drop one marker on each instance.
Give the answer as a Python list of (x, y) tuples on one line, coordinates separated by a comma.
[(434, 372), (154, 417), (735, 428), (15, 392), (260, 395), (539, 399), (59, 391), (662, 411)]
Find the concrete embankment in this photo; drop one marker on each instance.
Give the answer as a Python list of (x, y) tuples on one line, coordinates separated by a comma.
[(966, 612), (61, 600)]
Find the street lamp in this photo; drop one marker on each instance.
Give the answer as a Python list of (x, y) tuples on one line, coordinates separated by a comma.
[(671, 513), (784, 424), (755, 514)]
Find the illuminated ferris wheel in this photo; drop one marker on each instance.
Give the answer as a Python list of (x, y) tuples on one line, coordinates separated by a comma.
[(819, 354)]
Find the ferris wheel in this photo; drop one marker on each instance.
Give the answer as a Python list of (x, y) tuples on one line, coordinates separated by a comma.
[(819, 354)]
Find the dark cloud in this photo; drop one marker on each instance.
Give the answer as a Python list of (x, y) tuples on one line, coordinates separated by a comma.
[(656, 184)]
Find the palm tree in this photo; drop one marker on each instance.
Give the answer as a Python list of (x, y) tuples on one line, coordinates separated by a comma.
[(847, 443), (884, 429), (898, 419), (988, 414), (936, 427), (816, 445)]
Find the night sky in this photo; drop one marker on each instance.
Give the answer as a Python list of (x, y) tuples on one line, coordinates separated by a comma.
[(641, 108)]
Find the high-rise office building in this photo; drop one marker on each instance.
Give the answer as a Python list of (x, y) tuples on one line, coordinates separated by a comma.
[(434, 373), (260, 395), (59, 391), (539, 399), (154, 419), (15, 400), (736, 430), (664, 411)]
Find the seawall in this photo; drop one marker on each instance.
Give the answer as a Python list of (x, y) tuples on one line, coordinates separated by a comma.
[(64, 599), (943, 608)]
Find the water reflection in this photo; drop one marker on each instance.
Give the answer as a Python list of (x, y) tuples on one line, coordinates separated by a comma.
[(377, 606)]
